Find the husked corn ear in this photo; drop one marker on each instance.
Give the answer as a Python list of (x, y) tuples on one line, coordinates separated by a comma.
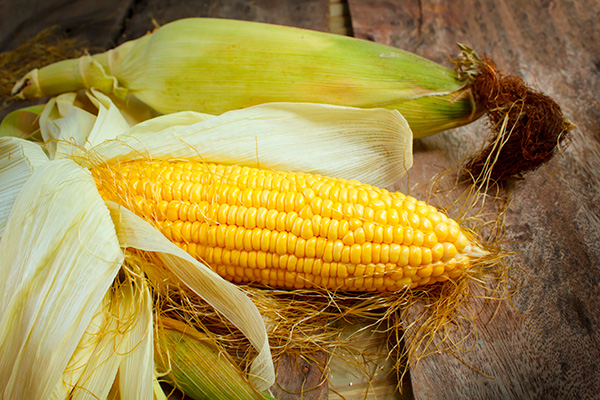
[(292, 230)]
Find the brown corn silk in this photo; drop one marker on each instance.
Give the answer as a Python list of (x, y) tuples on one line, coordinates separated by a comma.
[(527, 126)]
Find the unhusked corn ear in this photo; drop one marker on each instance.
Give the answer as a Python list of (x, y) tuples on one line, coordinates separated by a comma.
[(292, 230)]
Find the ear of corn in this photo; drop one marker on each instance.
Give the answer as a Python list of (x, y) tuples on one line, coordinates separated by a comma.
[(216, 65), (293, 230), (198, 366)]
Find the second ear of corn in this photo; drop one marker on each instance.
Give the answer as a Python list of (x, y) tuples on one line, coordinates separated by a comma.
[(293, 230), (216, 65)]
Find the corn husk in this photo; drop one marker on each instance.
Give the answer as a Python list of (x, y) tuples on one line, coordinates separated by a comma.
[(196, 365), (217, 65)]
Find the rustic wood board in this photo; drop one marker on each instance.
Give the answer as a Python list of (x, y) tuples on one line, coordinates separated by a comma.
[(554, 217), (553, 221)]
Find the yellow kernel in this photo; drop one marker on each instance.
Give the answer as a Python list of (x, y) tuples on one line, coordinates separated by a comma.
[(306, 229), (320, 248), (359, 236), (309, 194), (368, 283), (378, 234), (316, 268), (230, 234), (348, 239), (437, 251), (270, 219), (408, 236), (324, 229), (388, 234), (418, 238), (342, 271), (327, 208), (261, 217), (345, 255), (430, 240), (289, 201), (414, 220), (290, 218), (378, 282), (250, 220), (355, 223), (282, 243), (261, 260), (409, 271), (248, 239), (355, 254), (449, 251), (404, 256), (395, 252), (300, 248), (348, 210), (441, 231), (426, 255), (376, 252), (377, 205), (426, 225), (359, 270), (425, 271), (173, 210), (176, 231), (385, 253), (438, 270), (397, 275), (325, 269), (328, 252), (306, 212), (343, 228), (316, 205), (380, 216), (369, 229), (311, 247), (461, 242), (399, 234), (415, 256), (186, 231), (422, 210), (256, 238), (367, 254), (317, 222), (453, 232), (292, 263), (333, 230), (222, 213), (393, 218)]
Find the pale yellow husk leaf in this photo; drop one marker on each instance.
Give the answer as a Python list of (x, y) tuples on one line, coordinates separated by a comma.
[(59, 256)]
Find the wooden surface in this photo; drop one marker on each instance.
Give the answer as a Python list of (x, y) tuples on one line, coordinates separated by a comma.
[(552, 351), (554, 218)]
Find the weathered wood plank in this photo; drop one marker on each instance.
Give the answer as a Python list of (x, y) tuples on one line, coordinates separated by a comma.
[(554, 217), (309, 14), (97, 22)]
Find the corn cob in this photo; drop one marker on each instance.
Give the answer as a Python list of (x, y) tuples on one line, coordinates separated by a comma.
[(293, 230)]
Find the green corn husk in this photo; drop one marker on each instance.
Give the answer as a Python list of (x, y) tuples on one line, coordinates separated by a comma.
[(217, 65), (198, 367)]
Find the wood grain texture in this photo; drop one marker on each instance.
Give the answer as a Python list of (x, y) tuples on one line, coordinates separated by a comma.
[(96, 22), (309, 14), (554, 218)]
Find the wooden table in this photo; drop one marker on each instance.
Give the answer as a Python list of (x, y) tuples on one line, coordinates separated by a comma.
[(546, 345)]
